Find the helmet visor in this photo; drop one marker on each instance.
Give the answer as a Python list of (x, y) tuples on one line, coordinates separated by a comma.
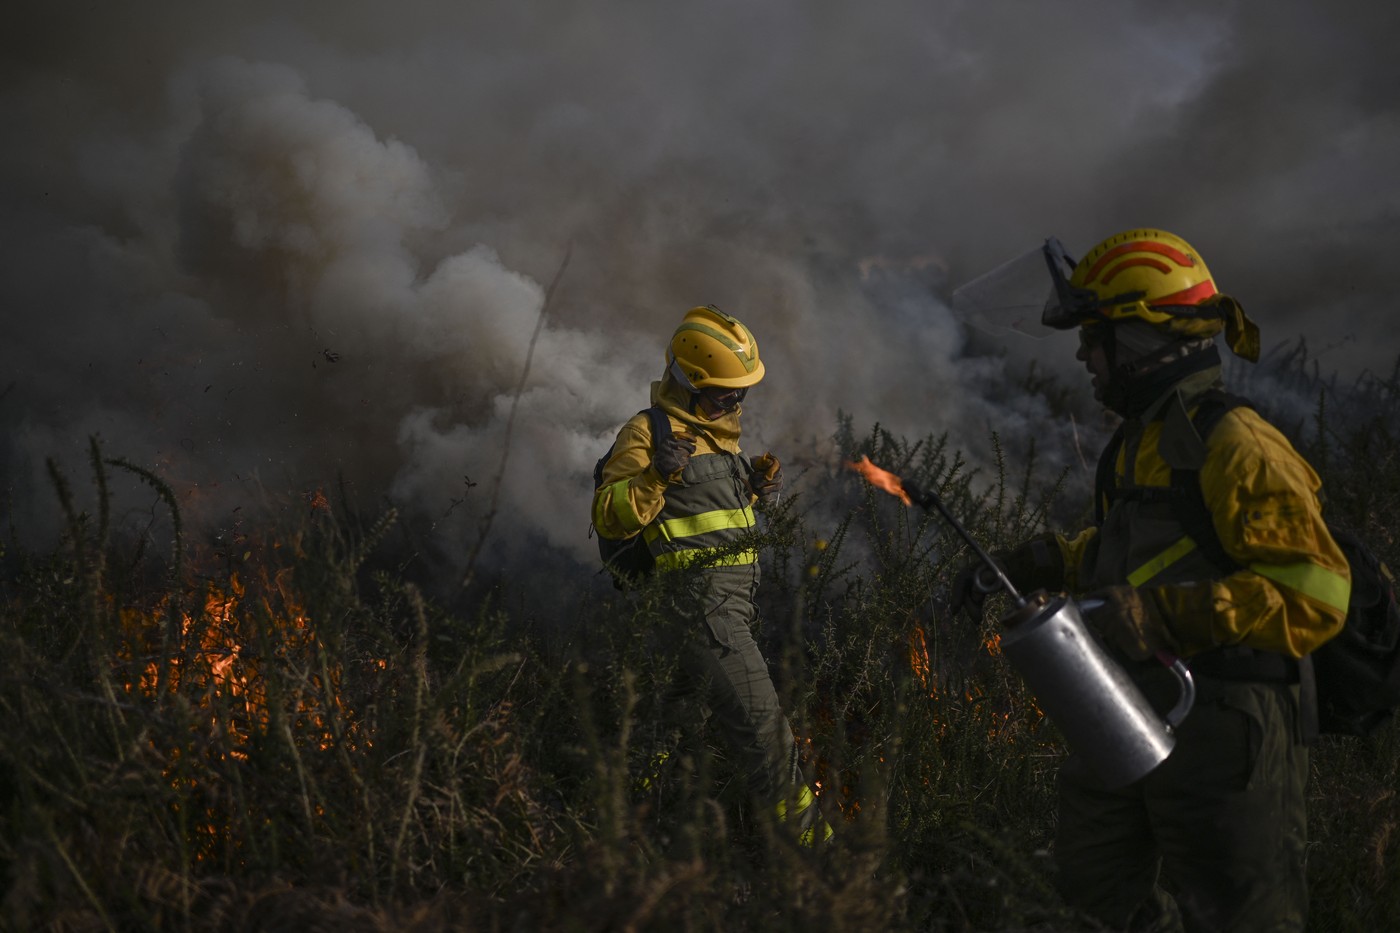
[(1070, 306), (1009, 299), (1067, 306)]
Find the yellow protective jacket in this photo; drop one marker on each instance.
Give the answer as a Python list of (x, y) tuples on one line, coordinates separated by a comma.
[(696, 515), (1290, 596)]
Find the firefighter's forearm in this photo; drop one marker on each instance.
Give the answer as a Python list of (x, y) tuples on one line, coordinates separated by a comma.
[(1249, 608), (626, 506), (632, 492)]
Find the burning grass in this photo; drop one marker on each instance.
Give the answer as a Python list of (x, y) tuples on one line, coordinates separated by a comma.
[(287, 732)]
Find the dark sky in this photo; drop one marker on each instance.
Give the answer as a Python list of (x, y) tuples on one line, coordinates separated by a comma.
[(260, 243)]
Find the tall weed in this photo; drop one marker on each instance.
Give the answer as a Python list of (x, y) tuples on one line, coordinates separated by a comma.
[(284, 730)]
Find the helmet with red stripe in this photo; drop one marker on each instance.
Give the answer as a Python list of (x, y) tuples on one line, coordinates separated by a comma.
[(1156, 277)]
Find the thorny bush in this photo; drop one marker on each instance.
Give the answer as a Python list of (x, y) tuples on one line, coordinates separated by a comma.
[(281, 728)]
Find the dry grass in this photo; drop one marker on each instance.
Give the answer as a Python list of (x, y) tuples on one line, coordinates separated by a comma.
[(292, 736)]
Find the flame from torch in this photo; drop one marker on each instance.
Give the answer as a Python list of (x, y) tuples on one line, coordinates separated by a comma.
[(880, 479), (909, 495)]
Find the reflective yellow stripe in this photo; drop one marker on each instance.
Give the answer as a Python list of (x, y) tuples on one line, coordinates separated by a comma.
[(819, 830), (709, 556), (748, 355), (810, 834), (692, 525), (805, 798), (622, 506), (1311, 580), (1161, 562)]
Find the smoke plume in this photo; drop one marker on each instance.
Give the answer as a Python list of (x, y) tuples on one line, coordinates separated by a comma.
[(270, 246)]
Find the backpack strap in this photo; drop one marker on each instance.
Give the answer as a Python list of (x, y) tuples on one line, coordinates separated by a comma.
[(1103, 476), (660, 425), (1106, 492), (660, 429), (1184, 490)]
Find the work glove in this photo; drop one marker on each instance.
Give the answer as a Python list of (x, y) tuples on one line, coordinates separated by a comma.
[(766, 478), (673, 453), (1130, 620), (1036, 565), (971, 586)]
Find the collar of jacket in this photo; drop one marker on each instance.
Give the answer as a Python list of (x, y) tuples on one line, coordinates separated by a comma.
[(675, 400), (1134, 398), (1187, 390)]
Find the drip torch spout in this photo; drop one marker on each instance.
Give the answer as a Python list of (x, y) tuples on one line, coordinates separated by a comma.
[(931, 499)]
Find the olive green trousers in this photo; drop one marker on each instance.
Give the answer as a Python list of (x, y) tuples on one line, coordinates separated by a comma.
[(1213, 839), (726, 679)]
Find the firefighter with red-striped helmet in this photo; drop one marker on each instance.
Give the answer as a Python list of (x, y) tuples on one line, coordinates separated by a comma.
[(1146, 297), (1210, 546)]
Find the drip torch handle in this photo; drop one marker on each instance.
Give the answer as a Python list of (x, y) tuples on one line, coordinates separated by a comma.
[(931, 498), (1187, 684)]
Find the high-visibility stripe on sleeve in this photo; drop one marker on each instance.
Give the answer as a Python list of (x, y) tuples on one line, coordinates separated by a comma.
[(718, 520), (1162, 561), (621, 506), (1321, 584)]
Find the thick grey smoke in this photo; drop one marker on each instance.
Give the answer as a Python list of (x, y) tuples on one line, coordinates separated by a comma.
[(263, 244)]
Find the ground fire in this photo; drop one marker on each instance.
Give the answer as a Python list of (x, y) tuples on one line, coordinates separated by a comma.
[(215, 657)]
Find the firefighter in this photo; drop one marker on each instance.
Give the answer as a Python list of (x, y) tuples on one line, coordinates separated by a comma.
[(691, 498), (1223, 817)]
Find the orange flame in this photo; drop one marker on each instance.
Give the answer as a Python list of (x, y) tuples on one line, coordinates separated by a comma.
[(919, 659), (317, 500), (212, 661), (880, 479)]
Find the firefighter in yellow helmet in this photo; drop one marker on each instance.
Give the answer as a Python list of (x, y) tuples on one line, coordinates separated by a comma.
[(1242, 584), (690, 499)]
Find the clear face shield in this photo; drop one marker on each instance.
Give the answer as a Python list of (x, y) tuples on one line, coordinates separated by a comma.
[(1030, 295)]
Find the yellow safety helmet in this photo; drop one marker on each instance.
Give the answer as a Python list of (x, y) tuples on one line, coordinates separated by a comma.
[(712, 348), (1152, 276)]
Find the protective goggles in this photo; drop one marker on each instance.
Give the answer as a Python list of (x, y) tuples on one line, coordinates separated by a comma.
[(724, 398)]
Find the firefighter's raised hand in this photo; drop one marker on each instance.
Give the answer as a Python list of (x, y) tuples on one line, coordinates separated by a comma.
[(766, 478), (1129, 619), (672, 454)]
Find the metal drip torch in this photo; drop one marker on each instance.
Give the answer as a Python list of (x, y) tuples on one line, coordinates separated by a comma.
[(1100, 711)]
